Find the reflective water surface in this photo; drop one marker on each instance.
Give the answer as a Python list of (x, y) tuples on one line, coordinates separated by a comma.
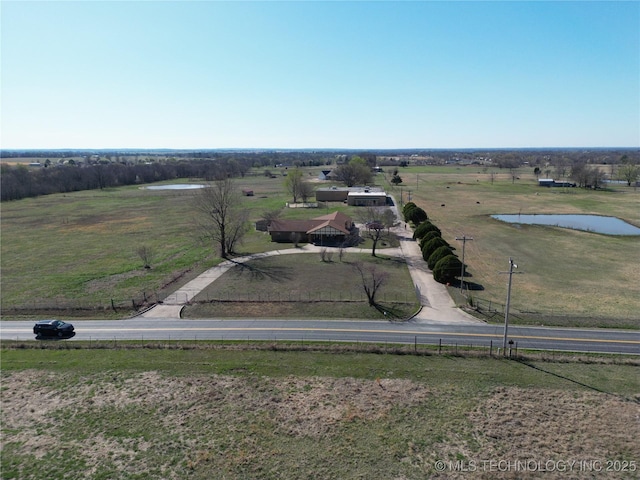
[(589, 223), (175, 186)]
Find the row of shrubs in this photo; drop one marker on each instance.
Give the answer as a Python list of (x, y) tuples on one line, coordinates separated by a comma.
[(438, 254)]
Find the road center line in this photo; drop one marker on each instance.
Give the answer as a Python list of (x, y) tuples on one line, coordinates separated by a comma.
[(354, 330)]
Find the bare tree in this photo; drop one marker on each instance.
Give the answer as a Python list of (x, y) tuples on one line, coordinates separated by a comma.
[(514, 174), (377, 222), (296, 185), (629, 173), (372, 280), (295, 238), (270, 215), (305, 191), (562, 167), (355, 172), (236, 230), (587, 176), (326, 255), (222, 221), (146, 254)]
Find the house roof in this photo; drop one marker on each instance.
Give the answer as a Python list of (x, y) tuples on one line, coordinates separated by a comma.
[(291, 225), (331, 224), (336, 220), (335, 216), (366, 194)]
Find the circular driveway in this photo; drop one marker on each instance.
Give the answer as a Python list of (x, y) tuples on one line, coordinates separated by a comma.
[(437, 306)]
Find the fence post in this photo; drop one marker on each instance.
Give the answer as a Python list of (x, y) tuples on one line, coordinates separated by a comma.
[(491, 348), (439, 346), (415, 343)]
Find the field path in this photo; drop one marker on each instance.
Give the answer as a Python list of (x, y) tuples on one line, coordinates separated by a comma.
[(437, 305)]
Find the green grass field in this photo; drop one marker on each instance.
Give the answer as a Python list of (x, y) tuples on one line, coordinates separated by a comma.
[(73, 254), (566, 272), (303, 286), (219, 412)]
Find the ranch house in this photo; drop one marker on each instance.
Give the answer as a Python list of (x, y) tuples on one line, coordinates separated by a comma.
[(329, 230)]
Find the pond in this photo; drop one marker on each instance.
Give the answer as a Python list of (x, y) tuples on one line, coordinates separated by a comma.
[(175, 186), (589, 223)]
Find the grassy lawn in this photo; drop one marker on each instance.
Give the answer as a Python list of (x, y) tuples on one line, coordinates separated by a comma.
[(73, 254), (203, 412), (303, 286)]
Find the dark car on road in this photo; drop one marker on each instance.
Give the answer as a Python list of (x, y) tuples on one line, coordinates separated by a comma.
[(53, 328)]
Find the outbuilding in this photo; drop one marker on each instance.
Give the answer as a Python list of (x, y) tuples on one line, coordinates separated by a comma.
[(367, 198)]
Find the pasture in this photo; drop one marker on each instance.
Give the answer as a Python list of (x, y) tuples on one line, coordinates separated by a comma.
[(72, 254), (567, 273), (207, 411)]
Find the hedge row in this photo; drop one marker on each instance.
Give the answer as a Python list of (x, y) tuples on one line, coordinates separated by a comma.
[(436, 251)]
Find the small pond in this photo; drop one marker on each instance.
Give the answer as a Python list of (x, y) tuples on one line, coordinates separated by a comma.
[(589, 223), (175, 186)]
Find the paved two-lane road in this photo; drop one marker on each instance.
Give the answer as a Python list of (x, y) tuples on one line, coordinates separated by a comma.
[(560, 339)]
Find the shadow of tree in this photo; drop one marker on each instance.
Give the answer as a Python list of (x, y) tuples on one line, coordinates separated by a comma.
[(473, 286), (260, 272), (389, 312)]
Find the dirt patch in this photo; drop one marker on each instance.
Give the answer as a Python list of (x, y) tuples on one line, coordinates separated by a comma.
[(535, 424), (313, 406), (301, 406), (128, 421)]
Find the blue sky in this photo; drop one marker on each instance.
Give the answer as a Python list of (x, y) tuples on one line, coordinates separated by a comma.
[(300, 74)]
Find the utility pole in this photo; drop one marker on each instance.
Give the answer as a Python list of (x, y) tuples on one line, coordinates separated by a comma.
[(464, 241), (506, 310)]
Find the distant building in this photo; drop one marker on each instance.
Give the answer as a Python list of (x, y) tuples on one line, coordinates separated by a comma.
[(355, 196), (326, 175), (367, 198), (332, 194), (549, 182)]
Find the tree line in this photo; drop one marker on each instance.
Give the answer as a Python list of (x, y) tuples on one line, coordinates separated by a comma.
[(98, 170), (19, 181)]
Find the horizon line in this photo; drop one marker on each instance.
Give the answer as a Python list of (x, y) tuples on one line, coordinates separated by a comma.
[(183, 149)]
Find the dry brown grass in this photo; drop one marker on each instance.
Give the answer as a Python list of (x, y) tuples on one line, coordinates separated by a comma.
[(221, 423)]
